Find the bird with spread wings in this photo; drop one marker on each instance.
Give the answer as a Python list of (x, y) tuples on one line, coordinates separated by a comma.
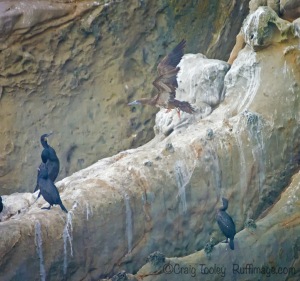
[(166, 84)]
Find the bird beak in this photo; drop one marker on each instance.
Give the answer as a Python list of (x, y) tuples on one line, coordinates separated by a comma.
[(48, 135), (134, 102)]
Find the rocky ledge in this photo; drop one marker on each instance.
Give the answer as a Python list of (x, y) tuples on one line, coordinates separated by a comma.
[(241, 144)]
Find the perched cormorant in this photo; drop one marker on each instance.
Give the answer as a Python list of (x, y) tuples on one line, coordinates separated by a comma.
[(50, 158), (226, 223), (1, 204), (47, 188), (166, 84)]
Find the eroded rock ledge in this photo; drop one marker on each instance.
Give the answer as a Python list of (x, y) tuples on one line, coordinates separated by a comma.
[(163, 195), (272, 247), (80, 62)]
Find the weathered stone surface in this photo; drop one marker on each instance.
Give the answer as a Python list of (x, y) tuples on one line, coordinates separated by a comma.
[(287, 9), (15, 205), (201, 81), (122, 210), (21, 16), (273, 4), (290, 9), (263, 27), (239, 45), (72, 66), (273, 244)]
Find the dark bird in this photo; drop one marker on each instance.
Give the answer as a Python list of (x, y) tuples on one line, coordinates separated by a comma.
[(166, 84), (49, 158), (226, 223), (1, 204), (47, 188)]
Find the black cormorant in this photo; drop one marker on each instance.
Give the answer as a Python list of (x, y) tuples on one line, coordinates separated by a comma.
[(226, 223), (50, 158), (1, 204), (47, 188)]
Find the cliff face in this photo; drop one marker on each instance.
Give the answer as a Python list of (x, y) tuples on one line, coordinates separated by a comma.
[(272, 247), (260, 88), (163, 196), (72, 67)]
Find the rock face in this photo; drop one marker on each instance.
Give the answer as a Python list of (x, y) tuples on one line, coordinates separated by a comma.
[(262, 35), (287, 9), (203, 88), (72, 66), (163, 196), (274, 250)]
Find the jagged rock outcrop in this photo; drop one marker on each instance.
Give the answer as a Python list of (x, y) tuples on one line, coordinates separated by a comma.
[(72, 66), (163, 196), (287, 9), (204, 89), (259, 251), (270, 30), (269, 250)]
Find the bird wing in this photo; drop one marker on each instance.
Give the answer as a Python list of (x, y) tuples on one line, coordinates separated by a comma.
[(171, 60), (163, 98), (182, 105), (53, 170), (49, 191), (166, 82), (226, 224)]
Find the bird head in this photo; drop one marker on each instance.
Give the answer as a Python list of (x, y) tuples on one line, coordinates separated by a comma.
[(135, 102), (225, 204), (44, 137)]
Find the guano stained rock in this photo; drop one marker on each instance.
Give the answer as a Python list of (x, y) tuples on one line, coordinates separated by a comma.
[(71, 67), (122, 210)]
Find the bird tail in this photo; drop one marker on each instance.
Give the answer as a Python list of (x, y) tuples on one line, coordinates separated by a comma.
[(184, 106), (37, 180), (63, 207), (231, 244), (36, 188)]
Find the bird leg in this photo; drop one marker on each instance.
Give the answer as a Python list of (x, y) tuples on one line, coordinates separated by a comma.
[(178, 112), (46, 208), (226, 241), (37, 197)]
